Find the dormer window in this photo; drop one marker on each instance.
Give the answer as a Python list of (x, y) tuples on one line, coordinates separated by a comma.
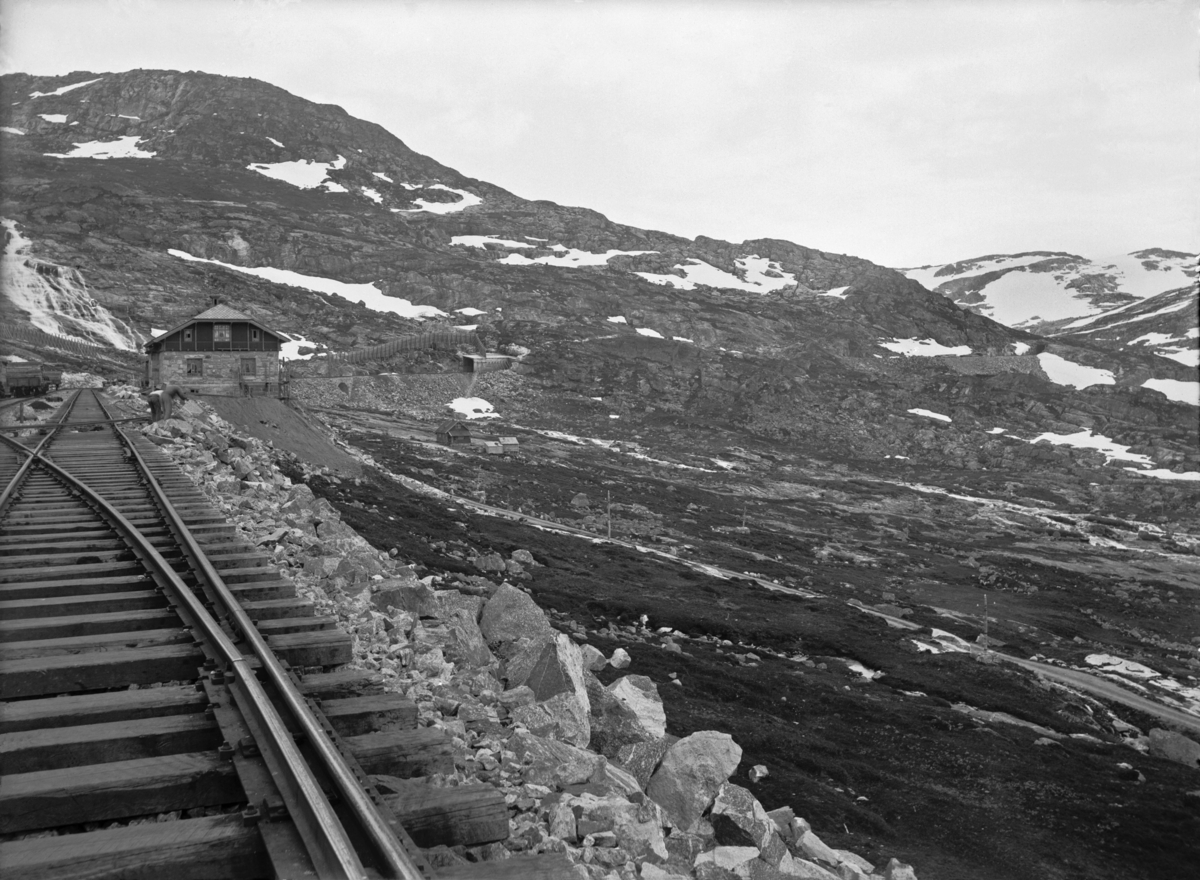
[(221, 332)]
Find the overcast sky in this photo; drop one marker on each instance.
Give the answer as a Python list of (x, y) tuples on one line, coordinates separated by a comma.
[(904, 132)]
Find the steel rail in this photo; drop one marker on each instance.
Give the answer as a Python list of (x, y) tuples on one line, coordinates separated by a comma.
[(326, 840), (393, 857), (10, 490)]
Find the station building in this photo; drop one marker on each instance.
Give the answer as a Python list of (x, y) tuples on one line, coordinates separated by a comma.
[(219, 351)]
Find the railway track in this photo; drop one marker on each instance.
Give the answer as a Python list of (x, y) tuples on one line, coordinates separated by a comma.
[(172, 708)]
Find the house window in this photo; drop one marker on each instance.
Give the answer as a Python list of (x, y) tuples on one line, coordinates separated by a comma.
[(187, 335), (195, 366), (253, 335), (221, 333), (249, 366)]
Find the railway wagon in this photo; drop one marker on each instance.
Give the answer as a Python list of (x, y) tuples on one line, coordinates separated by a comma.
[(27, 378)]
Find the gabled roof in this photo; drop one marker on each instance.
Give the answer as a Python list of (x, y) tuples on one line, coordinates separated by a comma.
[(222, 312), (450, 424), (219, 312)]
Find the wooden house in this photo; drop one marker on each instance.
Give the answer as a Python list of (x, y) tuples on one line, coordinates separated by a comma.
[(219, 351), (454, 433)]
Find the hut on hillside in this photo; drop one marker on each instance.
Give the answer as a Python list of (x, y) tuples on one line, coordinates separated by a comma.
[(219, 351), (486, 363), (454, 432)]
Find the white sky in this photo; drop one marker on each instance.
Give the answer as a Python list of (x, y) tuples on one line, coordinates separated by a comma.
[(905, 132)]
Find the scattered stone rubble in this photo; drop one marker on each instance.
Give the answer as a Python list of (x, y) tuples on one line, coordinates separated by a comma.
[(586, 769)]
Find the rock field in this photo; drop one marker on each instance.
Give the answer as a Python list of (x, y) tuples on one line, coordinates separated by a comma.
[(586, 769)]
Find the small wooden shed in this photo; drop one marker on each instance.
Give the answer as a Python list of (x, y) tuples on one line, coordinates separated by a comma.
[(454, 432)]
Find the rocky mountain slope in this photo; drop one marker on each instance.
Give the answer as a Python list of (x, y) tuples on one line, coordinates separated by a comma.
[(132, 198), (1165, 324), (1035, 289)]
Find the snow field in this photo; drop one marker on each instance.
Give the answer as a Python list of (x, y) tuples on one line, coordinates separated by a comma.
[(54, 117), (367, 294), (930, 414), (617, 319), (473, 408), (482, 241), (1064, 372), (646, 331), (697, 272), (290, 350), (65, 89), (121, 148), (924, 348), (301, 173), (1085, 439), (9, 130), (1176, 389), (839, 292), (466, 200), (569, 258)]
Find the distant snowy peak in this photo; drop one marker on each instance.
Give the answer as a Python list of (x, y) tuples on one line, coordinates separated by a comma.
[(1168, 324), (1036, 288)]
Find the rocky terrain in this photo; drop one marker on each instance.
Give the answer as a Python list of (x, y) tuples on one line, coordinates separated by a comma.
[(587, 768), (825, 480), (888, 749)]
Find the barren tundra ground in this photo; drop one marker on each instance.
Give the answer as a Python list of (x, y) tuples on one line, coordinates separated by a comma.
[(895, 762)]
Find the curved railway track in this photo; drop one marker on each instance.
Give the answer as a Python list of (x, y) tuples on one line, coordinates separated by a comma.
[(171, 708)]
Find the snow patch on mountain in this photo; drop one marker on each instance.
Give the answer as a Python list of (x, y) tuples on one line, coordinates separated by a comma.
[(121, 148), (1176, 389), (646, 331), (839, 292), (617, 319), (761, 275), (65, 89), (482, 241), (293, 342), (569, 258), (382, 176), (10, 130), (469, 312), (930, 414), (466, 200), (301, 173), (473, 408), (1029, 289), (1064, 372), (367, 294), (372, 194), (54, 117), (1085, 439), (924, 348), (275, 142)]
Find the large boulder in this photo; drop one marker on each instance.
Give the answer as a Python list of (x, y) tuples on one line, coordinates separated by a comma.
[(614, 724), (552, 763), (562, 717), (556, 677), (638, 827), (640, 694), (403, 591), (511, 615), (690, 775), (738, 819), (1175, 747), (641, 759)]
